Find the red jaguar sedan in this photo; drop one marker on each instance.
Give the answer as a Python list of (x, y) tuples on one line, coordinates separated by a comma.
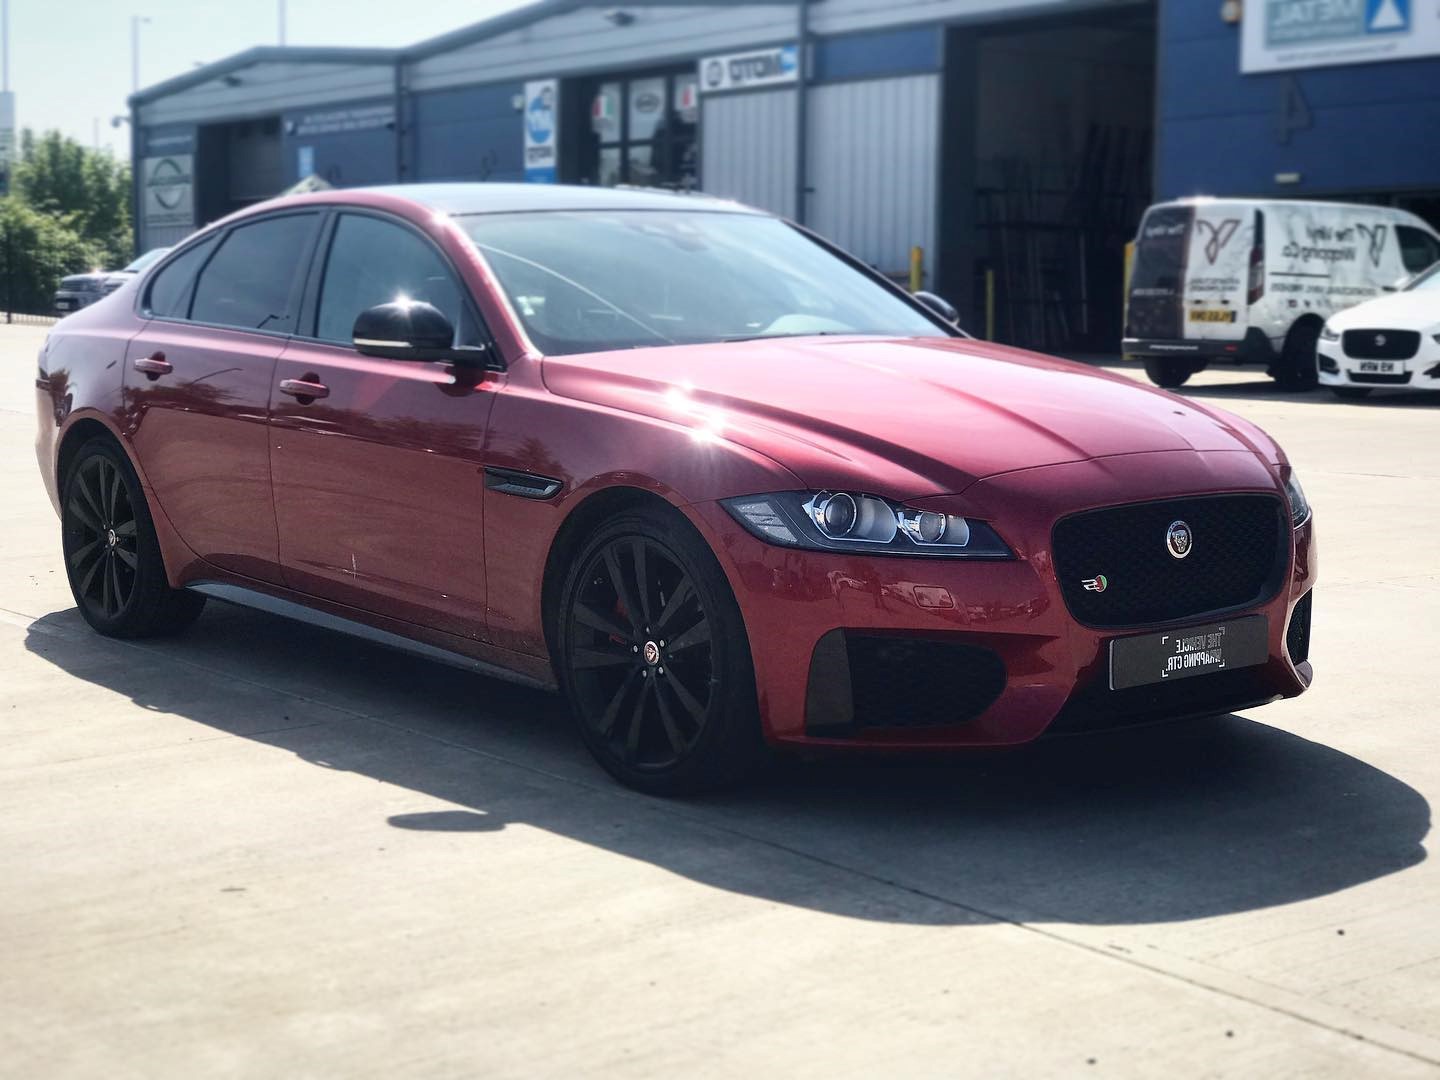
[(718, 482)]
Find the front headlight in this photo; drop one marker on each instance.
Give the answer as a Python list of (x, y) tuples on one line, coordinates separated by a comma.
[(1299, 505), (853, 522), (1327, 334)]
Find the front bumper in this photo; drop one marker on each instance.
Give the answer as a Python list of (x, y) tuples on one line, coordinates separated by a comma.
[(67, 301), (1253, 348), (1055, 670), (1418, 372)]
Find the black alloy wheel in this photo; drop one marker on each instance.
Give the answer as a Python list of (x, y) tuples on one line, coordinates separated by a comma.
[(112, 557), (654, 658)]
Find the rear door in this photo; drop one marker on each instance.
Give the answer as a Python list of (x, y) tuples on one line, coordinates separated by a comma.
[(1157, 278), (1222, 238), (378, 476), (197, 385)]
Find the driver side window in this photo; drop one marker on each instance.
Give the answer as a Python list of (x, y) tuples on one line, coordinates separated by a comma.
[(374, 262)]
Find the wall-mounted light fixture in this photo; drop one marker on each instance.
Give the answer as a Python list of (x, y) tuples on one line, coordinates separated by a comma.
[(517, 102), (619, 17), (232, 80)]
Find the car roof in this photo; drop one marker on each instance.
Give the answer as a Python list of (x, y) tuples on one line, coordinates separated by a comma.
[(1326, 204), (497, 198)]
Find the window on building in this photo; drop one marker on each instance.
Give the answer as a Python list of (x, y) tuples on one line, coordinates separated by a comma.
[(170, 291), (1418, 249), (645, 128), (375, 262), (250, 280)]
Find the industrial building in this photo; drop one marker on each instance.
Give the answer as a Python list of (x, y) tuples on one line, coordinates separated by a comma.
[(1000, 150)]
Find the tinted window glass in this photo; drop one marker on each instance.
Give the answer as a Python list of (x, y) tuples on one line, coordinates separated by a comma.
[(248, 282), (374, 262), (170, 292), (1418, 249)]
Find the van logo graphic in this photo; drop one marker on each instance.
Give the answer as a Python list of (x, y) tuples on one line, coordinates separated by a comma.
[(1098, 583), (1220, 235), (1375, 235)]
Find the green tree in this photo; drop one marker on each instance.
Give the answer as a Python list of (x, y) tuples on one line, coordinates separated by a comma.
[(86, 190), (38, 249)]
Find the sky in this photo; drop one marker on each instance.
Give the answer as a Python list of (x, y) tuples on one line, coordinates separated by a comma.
[(70, 62)]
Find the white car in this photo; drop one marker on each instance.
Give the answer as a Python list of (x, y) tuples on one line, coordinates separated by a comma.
[(1392, 342)]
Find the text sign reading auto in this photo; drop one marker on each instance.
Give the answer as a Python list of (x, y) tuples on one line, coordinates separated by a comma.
[(1197, 650), (741, 71)]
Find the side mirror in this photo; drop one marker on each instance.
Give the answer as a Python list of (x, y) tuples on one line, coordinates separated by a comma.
[(405, 330), (939, 306)]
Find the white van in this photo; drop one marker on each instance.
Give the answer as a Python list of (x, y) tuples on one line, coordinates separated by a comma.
[(1251, 281)]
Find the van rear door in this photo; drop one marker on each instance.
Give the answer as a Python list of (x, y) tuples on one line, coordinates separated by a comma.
[(1222, 240), (1158, 275)]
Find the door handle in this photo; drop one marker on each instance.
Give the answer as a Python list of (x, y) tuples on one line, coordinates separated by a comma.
[(153, 365), (304, 389)]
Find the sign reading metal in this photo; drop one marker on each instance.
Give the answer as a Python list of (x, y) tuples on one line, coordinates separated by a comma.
[(1284, 34), (169, 192), (741, 71), (542, 135)]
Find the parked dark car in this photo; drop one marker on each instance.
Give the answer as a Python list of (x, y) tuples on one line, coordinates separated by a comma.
[(82, 290), (720, 483)]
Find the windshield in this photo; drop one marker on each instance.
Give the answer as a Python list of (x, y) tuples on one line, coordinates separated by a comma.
[(148, 259), (588, 281), (1429, 280)]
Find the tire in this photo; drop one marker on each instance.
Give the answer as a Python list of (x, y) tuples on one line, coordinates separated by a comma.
[(112, 556), (1351, 393), (1170, 373), (659, 676), (1298, 368)]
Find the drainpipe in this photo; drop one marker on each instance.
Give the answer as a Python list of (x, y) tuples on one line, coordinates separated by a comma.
[(400, 126), (802, 109)]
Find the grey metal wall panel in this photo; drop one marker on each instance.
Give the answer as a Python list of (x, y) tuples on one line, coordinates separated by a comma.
[(848, 16), (585, 40), (152, 237), (748, 148), (872, 170), (269, 88)]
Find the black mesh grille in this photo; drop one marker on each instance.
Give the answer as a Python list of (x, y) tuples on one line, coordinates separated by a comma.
[(1382, 344), (1382, 380), (1236, 560), (916, 682), (1297, 637)]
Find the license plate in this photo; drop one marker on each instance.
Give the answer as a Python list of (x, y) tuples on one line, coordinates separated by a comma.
[(1194, 650), (1381, 367), (64, 305), (1211, 315)]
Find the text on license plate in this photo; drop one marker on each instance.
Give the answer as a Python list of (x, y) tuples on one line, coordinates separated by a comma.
[(1211, 315), (1190, 651), (1381, 367)]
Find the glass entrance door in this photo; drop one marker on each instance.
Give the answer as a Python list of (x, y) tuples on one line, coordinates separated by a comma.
[(645, 128)]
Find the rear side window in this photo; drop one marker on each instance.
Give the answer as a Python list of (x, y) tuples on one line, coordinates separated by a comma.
[(1418, 249), (250, 281), (372, 262), (170, 291)]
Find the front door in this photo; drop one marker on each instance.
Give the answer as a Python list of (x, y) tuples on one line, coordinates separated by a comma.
[(197, 386), (378, 471)]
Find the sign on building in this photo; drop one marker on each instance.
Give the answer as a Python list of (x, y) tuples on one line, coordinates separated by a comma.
[(741, 71), (169, 192), (1279, 35), (542, 134)]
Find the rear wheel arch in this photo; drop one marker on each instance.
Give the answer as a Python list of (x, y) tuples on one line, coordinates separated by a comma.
[(77, 435)]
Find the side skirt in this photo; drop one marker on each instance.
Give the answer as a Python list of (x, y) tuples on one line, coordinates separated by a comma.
[(274, 605)]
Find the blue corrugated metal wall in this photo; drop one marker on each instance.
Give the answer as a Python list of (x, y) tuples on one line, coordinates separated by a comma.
[(1371, 128), (472, 133)]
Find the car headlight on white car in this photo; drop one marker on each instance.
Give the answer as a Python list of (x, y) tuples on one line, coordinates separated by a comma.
[(1295, 495), (854, 522), (1329, 333)]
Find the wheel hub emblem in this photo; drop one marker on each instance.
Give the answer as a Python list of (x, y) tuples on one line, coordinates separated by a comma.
[(111, 538), (1178, 539), (651, 652)]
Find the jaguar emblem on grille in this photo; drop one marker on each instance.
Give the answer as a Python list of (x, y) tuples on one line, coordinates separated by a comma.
[(1179, 539), (1098, 583), (1379, 341)]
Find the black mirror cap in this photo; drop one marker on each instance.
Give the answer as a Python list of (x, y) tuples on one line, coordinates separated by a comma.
[(404, 330), (940, 306)]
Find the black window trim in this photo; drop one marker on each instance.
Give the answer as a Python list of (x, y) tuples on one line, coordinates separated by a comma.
[(307, 322), (221, 236)]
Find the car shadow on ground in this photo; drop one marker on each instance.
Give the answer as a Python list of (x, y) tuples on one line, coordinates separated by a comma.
[(1166, 823)]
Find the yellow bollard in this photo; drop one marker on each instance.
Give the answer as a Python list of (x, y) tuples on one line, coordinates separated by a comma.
[(1125, 300), (917, 269)]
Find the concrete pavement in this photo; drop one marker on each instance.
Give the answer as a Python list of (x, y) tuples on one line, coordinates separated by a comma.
[(264, 848)]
